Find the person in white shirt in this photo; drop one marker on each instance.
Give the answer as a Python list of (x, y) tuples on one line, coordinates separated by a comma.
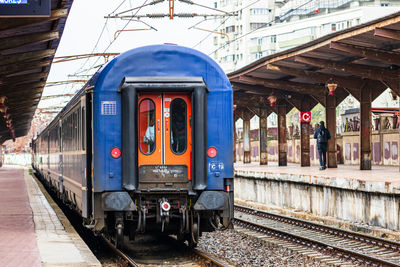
[(149, 136)]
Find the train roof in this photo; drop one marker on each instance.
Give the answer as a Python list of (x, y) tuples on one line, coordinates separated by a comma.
[(161, 61), (155, 60)]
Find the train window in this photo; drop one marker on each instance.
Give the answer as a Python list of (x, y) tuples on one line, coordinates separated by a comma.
[(178, 126), (147, 134), (83, 131)]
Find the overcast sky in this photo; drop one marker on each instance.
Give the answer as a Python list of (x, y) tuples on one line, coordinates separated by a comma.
[(86, 21)]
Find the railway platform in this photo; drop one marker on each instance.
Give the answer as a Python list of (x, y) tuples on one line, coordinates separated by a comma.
[(362, 200), (30, 229)]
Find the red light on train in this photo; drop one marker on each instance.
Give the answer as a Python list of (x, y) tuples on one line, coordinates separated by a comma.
[(115, 152), (165, 206), (212, 152)]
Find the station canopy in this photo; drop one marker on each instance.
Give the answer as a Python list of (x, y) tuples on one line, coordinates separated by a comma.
[(367, 55), (27, 49)]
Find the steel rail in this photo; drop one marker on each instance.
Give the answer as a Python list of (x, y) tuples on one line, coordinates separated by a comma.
[(305, 241), (130, 261), (276, 231), (197, 256), (206, 260), (385, 243)]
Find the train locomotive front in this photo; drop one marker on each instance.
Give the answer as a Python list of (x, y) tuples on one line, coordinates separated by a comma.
[(159, 156)]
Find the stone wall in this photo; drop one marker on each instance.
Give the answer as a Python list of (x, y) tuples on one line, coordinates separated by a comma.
[(368, 203)]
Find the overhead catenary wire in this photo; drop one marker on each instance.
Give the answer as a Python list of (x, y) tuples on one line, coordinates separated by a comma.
[(236, 11), (208, 35), (101, 34), (261, 27), (109, 45), (118, 6), (195, 4), (135, 8)]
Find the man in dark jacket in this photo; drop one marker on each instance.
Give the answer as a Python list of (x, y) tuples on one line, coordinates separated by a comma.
[(322, 135)]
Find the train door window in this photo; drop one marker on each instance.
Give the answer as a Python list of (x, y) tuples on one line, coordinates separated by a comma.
[(147, 134), (178, 126)]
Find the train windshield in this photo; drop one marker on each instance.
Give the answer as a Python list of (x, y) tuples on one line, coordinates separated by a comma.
[(147, 110), (178, 126)]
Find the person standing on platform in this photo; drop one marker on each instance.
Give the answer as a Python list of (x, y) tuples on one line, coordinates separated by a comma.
[(322, 135)]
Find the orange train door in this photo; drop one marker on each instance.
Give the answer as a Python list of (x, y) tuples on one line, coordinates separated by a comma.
[(164, 130), (178, 133)]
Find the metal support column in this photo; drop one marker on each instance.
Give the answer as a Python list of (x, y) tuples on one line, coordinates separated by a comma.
[(305, 137), (331, 125), (263, 137), (246, 141), (365, 128), (282, 160)]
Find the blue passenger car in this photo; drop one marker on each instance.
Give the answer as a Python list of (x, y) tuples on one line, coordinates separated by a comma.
[(146, 145)]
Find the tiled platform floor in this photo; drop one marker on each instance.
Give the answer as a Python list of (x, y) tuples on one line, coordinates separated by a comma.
[(31, 233), (377, 174), (18, 246)]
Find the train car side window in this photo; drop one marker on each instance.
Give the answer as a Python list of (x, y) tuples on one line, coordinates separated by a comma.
[(147, 134), (83, 114), (178, 126)]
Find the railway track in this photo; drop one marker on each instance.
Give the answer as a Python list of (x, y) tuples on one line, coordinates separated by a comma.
[(196, 256), (125, 256), (352, 246)]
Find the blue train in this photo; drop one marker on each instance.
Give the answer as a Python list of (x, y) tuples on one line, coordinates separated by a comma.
[(145, 146)]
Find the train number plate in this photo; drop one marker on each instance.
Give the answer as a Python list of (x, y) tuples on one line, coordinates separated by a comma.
[(163, 175)]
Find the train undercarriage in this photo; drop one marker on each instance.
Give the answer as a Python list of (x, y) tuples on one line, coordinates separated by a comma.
[(166, 213)]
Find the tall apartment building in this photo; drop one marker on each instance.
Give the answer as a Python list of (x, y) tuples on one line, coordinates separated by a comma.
[(266, 27), (250, 15)]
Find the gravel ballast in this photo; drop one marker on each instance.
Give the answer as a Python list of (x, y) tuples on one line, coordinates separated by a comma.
[(243, 250)]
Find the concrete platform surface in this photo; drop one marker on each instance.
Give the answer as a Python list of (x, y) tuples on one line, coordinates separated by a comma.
[(381, 179), (31, 233)]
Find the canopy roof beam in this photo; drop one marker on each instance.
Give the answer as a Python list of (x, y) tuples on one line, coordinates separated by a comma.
[(19, 57), (301, 88), (20, 67), (8, 24), (387, 33), (364, 71), (27, 39), (388, 57)]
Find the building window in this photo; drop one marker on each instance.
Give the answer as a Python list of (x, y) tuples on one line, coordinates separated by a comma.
[(333, 27), (215, 5), (273, 39), (386, 4), (230, 29), (255, 26), (258, 11)]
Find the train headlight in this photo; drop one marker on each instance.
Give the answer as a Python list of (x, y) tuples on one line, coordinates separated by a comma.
[(212, 152), (115, 152)]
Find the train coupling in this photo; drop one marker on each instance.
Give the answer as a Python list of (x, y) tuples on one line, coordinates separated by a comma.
[(164, 212)]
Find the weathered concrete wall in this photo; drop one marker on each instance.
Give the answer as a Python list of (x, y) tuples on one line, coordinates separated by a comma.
[(372, 203), (384, 147), (293, 151)]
